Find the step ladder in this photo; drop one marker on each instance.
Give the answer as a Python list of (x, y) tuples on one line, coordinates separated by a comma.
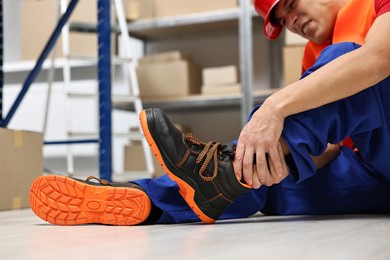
[(128, 66)]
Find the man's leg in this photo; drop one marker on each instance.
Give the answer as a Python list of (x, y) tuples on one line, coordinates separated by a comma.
[(62, 200), (307, 134), (172, 208), (364, 117), (345, 186)]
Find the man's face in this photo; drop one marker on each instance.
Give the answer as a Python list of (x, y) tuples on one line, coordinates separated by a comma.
[(312, 19)]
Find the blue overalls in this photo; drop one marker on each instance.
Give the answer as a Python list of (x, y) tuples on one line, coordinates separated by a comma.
[(354, 182)]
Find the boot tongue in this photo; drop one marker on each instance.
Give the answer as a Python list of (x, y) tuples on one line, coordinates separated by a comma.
[(228, 149)]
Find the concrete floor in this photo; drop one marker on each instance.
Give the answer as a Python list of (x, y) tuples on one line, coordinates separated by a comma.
[(25, 236)]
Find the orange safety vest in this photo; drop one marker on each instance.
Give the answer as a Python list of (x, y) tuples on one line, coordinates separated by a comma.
[(352, 25), (353, 22)]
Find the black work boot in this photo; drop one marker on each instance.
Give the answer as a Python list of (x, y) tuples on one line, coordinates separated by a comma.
[(62, 200), (203, 171)]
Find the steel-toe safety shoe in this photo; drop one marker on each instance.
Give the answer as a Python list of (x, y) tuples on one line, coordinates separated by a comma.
[(203, 171), (67, 201)]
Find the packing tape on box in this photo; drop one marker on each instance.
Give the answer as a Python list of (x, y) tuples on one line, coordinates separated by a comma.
[(18, 139), (16, 202)]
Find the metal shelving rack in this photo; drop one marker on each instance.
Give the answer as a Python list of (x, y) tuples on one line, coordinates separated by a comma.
[(158, 29), (240, 19)]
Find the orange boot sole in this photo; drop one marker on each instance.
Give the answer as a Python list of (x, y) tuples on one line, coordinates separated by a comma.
[(62, 200)]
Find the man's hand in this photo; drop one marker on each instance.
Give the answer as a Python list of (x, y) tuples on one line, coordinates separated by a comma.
[(258, 140)]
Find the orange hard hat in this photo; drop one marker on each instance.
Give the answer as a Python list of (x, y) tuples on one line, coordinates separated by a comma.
[(265, 8)]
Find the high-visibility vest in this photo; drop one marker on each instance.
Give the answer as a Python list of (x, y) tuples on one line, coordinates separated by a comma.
[(353, 22)]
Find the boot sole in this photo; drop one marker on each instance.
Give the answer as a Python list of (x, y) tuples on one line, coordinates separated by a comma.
[(185, 190), (62, 200)]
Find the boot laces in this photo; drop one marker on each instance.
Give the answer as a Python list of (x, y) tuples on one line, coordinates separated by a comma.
[(210, 151)]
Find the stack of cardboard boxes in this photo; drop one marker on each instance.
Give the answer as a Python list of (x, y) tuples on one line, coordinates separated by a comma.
[(293, 50), (220, 80), (21, 161)]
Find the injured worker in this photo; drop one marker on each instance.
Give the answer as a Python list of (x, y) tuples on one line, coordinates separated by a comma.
[(290, 158)]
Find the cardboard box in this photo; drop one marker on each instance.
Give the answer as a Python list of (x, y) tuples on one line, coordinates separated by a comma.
[(179, 7), (221, 89), (38, 20), (174, 78), (220, 75), (21, 161), (292, 63), (135, 160), (138, 9)]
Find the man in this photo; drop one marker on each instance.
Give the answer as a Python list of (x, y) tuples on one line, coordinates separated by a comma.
[(286, 142), (323, 23)]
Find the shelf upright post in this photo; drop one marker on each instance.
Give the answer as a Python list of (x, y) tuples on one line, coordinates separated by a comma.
[(246, 59), (104, 76)]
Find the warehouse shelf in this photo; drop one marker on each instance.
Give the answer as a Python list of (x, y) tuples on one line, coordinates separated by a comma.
[(200, 23), (238, 20), (174, 26), (195, 101)]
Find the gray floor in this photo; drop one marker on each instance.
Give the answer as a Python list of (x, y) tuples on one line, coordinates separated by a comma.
[(25, 236)]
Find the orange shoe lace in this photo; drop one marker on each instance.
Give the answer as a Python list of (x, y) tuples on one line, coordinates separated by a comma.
[(210, 150)]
